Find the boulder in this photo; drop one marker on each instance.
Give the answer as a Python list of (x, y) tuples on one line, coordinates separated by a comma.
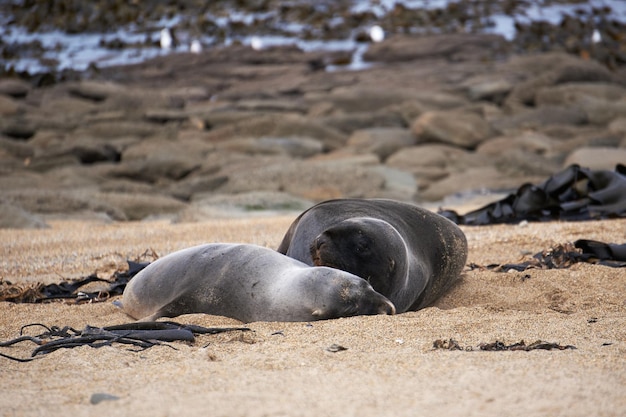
[(95, 90), (311, 180), (473, 179), (14, 87), (461, 46), (298, 147), (458, 128), (539, 118), (279, 126), (9, 106), (137, 206), (381, 141)]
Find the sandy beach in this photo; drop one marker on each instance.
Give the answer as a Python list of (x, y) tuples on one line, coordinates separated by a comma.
[(389, 366)]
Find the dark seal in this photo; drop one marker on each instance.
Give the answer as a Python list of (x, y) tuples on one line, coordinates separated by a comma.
[(247, 283), (407, 253)]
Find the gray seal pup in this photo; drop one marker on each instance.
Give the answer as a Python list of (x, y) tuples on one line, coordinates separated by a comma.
[(248, 283), (409, 254)]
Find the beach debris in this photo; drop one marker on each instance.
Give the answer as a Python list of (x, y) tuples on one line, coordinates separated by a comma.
[(565, 255), (521, 345), (451, 344), (38, 292), (143, 335), (575, 193), (336, 348), (98, 397)]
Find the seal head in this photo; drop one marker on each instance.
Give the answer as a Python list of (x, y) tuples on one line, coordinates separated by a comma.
[(369, 248)]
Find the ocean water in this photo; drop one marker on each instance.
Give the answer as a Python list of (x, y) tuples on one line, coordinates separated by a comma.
[(57, 50)]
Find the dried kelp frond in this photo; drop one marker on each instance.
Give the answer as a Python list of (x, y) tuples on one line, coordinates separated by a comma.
[(143, 335), (38, 292), (521, 345), (451, 344), (25, 293), (565, 255)]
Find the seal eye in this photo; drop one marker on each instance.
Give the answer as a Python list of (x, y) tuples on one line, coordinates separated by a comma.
[(361, 245)]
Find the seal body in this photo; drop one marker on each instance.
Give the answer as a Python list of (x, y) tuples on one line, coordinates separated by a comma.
[(408, 254), (248, 283)]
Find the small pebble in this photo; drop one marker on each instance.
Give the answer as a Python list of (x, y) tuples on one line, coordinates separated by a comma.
[(98, 397)]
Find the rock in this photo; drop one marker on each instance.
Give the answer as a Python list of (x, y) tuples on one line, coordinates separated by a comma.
[(529, 141), (123, 185), (597, 158), (15, 217), (279, 126), (544, 70), (121, 128), (462, 46), (189, 93), (66, 108), (489, 90), (161, 159), (362, 99), (478, 179), (98, 397), (349, 122), (138, 206), (311, 180), (18, 149), (602, 112), (50, 201), (196, 184), (19, 128), (568, 94), (349, 156), (166, 115), (540, 117), (416, 158), (9, 106), (618, 126), (602, 102), (271, 105), (15, 88), (463, 129), (399, 185), (429, 163), (381, 141), (74, 152), (250, 203), (438, 100), (297, 147), (520, 162), (95, 90)]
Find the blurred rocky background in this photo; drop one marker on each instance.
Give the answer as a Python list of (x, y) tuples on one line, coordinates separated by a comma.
[(115, 110)]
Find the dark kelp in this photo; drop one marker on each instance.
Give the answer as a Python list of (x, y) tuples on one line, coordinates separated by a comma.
[(142, 335), (565, 255), (451, 344), (37, 293), (576, 193)]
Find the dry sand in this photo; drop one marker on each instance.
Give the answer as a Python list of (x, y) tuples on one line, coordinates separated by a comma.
[(389, 368)]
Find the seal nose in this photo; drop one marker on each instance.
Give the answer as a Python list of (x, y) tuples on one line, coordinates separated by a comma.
[(387, 308)]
